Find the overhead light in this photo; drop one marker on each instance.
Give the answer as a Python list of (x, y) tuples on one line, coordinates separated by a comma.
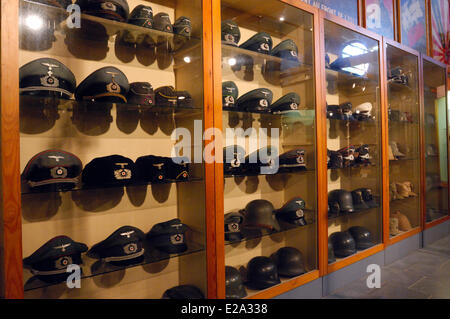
[(232, 61), (281, 19), (354, 85), (34, 22), (187, 59)]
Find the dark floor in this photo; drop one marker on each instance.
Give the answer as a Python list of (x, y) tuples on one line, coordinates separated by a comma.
[(423, 274)]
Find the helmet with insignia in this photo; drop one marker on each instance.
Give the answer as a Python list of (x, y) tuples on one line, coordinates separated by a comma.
[(260, 42), (141, 93), (151, 168), (262, 161), (142, 16), (292, 160), (166, 96), (177, 168), (233, 222), (161, 22), (287, 51), (49, 263), (46, 77), (113, 170), (117, 10), (107, 84), (54, 169), (258, 101), (286, 104), (230, 93), (233, 159), (230, 33), (292, 212), (122, 246), (168, 236), (183, 26)]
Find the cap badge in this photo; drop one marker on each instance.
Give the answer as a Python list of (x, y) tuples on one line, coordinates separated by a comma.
[(62, 247), (113, 87), (56, 158), (122, 173), (63, 262), (108, 6), (233, 227), (130, 248), (176, 239), (49, 79), (58, 172), (127, 234)]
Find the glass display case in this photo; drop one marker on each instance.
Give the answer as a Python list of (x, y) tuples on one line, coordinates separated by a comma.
[(269, 104), (353, 128), (105, 99), (404, 140), (436, 139)]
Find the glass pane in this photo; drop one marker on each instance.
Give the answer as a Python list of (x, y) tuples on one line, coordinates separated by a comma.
[(353, 141), (72, 122), (404, 143), (436, 164), (268, 100)]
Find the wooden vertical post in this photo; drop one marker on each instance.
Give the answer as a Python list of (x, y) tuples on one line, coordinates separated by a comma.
[(11, 279)]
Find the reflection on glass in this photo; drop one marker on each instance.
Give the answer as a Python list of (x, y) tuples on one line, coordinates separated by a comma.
[(353, 142), (436, 164), (403, 148), (268, 84)]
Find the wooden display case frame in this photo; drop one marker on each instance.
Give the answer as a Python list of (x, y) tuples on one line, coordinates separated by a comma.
[(424, 57), (323, 214), (11, 268), (386, 237), (320, 157)]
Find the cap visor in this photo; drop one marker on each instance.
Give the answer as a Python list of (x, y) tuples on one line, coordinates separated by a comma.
[(53, 181)]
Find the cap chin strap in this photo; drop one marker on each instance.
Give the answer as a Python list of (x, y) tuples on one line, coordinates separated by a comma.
[(54, 181), (44, 88), (122, 258), (105, 95)]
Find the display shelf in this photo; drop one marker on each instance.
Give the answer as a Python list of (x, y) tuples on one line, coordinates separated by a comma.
[(402, 160), (27, 190), (243, 175), (257, 235), (234, 57), (332, 219), (397, 87), (351, 168), (94, 267)]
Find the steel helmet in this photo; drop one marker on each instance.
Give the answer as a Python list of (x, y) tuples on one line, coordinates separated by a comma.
[(362, 237), (340, 201), (292, 212), (358, 201), (259, 214), (289, 261), (262, 273), (234, 288), (343, 244)]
